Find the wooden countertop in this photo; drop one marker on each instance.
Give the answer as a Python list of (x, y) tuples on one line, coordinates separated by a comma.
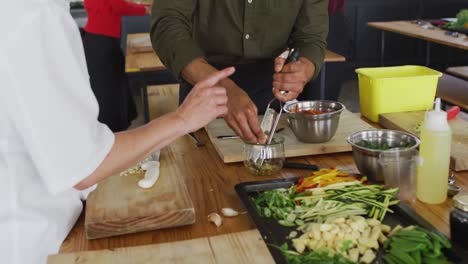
[(211, 186), (238, 248), (453, 90), (435, 35), (460, 71), (141, 57)]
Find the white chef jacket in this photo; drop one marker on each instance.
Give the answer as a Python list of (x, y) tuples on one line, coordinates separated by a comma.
[(50, 138)]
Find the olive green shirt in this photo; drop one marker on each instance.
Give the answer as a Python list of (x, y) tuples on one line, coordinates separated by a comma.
[(237, 31)]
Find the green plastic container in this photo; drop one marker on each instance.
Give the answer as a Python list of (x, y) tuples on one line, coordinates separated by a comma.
[(396, 89)]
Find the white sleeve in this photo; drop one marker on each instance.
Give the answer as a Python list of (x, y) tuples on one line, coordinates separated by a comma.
[(50, 101)]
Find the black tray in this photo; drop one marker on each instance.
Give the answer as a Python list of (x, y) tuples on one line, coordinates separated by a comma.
[(275, 235)]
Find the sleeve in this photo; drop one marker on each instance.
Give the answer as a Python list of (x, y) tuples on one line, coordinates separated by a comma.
[(125, 8), (171, 33), (50, 102), (310, 31)]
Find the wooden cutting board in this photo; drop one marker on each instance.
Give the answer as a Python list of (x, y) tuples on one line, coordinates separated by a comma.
[(230, 150), (407, 121), (118, 206), (243, 247)]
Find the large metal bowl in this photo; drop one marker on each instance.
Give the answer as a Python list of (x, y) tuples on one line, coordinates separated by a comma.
[(314, 128), (366, 159)]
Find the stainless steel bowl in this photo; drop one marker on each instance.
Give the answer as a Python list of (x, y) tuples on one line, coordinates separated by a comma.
[(366, 159), (312, 128)]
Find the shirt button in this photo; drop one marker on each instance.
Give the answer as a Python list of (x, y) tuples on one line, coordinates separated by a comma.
[(249, 1), (247, 36)]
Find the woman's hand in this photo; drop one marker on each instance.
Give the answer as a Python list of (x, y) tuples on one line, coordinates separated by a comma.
[(205, 102)]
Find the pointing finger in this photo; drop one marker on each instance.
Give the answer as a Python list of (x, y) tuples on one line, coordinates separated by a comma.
[(214, 78)]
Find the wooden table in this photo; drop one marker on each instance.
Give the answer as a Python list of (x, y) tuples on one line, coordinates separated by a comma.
[(143, 65), (453, 90), (140, 57), (413, 30), (461, 71), (211, 186)]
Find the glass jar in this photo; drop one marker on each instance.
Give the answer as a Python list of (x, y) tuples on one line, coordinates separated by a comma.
[(459, 220), (272, 155)]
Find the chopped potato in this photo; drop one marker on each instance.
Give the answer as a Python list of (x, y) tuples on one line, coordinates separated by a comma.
[(360, 235), (368, 256)]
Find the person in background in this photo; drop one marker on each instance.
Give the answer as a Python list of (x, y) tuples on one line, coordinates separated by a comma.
[(51, 143), (106, 62), (195, 38), (339, 41)]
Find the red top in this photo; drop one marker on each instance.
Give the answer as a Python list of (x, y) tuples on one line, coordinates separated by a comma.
[(105, 16), (335, 6)]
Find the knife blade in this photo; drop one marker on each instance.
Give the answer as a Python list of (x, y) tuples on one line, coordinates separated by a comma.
[(235, 136), (301, 166)]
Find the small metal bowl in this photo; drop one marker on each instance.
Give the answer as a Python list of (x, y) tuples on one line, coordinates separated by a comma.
[(314, 128), (453, 190), (366, 159)]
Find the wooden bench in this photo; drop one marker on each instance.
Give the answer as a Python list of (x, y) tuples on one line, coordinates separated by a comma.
[(461, 71), (453, 90)]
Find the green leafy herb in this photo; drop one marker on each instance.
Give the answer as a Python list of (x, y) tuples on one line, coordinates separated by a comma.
[(345, 246), (313, 257), (462, 22)]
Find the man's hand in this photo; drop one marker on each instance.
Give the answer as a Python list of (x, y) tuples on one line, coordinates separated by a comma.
[(206, 101), (291, 77), (242, 115), (242, 112)]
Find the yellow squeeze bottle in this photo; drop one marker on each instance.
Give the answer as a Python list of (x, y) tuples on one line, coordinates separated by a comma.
[(436, 137)]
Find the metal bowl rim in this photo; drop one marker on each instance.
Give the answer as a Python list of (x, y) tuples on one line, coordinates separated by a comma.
[(348, 139), (343, 107)]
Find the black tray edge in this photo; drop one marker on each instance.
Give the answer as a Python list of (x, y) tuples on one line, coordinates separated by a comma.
[(243, 188)]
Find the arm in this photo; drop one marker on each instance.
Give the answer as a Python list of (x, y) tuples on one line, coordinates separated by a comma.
[(125, 8), (310, 32), (309, 36), (242, 115), (204, 103), (171, 35)]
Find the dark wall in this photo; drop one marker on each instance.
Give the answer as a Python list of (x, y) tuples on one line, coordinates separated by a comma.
[(399, 49)]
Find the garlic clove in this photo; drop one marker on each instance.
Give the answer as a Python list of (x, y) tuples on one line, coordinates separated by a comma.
[(215, 218), (229, 212), (150, 164)]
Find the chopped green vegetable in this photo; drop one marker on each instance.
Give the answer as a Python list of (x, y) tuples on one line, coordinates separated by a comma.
[(313, 257), (415, 246), (345, 245), (418, 126), (320, 204)]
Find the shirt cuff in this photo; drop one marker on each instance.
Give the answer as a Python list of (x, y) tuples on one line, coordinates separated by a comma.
[(315, 54), (184, 51)]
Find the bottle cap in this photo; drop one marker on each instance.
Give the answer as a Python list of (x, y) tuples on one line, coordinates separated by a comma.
[(436, 119), (460, 201)]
